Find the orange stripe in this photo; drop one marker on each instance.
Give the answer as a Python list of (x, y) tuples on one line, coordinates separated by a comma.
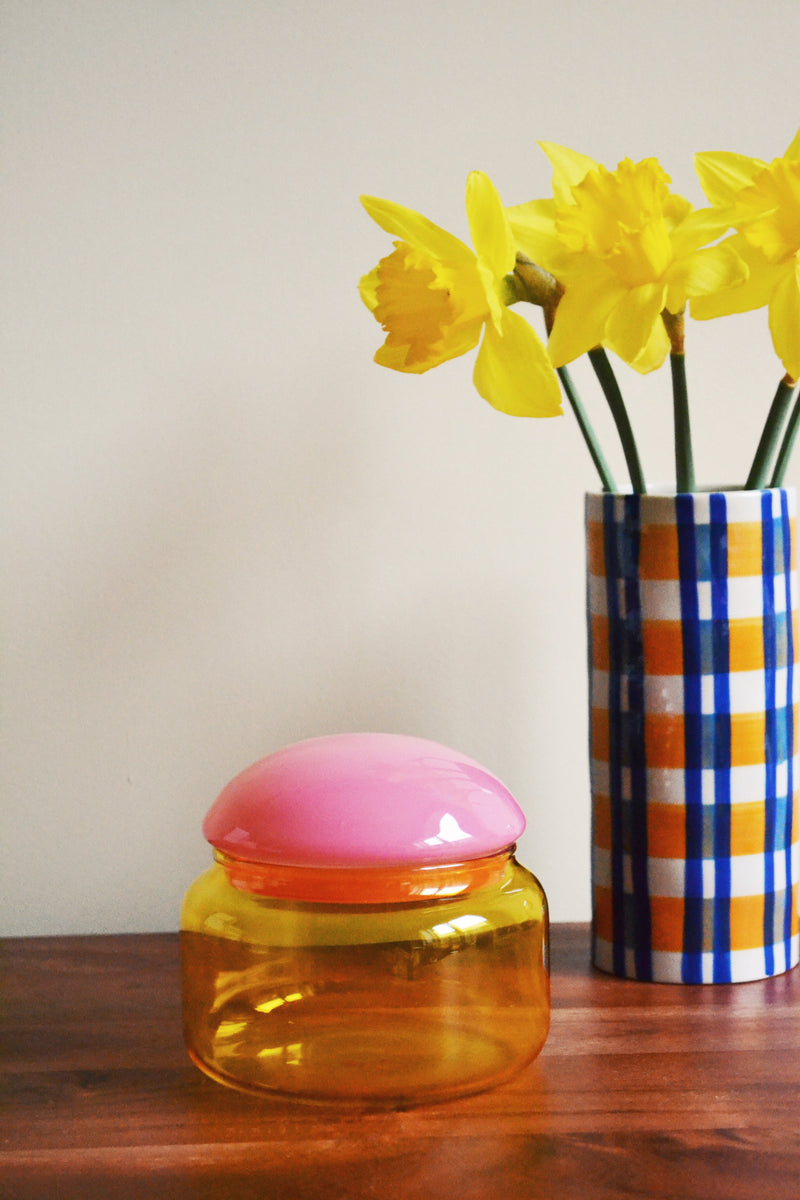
[(747, 922), (666, 830), (663, 734), (746, 644), (748, 828), (600, 650), (664, 738), (659, 549), (744, 548), (666, 922), (747, 739), (658, 552), (601, 822), (600, 734), (595, 548), (665, 745), (603, 914), (662, 647), (666, 827)]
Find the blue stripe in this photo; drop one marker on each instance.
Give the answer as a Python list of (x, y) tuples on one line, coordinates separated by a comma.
[(786, 529), (721, 738), (615, 750), (691, 969), (634, 667), (770, 725)]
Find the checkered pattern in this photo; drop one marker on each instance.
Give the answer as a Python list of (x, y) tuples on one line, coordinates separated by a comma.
[(692, 609)]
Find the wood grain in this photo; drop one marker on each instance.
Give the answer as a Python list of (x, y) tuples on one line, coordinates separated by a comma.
[(643, 1090)]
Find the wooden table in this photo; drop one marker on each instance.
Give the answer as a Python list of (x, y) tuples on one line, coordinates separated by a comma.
[(643, 1090)]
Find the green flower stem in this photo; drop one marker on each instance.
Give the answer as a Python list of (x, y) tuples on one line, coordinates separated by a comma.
[(684, 460), (674, 323), (608, 382), (785, 452), (589, 436), (530, 282), (770, 434)]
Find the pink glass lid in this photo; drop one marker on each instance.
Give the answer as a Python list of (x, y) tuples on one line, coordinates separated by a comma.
[(362, 800)]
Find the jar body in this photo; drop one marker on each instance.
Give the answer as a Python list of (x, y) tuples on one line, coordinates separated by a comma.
[(378, 1004)]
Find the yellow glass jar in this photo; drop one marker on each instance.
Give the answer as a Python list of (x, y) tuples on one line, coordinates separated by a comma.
[(385, 968)]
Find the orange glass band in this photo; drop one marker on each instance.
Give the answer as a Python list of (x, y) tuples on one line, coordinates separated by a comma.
[(363, 885)]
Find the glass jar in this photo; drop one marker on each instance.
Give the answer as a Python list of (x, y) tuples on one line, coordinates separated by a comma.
[(361, 936)]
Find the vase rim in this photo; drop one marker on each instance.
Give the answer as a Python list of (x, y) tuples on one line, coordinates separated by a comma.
[(667, 490)]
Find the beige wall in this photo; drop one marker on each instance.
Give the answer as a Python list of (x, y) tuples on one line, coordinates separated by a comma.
[(224, 528)]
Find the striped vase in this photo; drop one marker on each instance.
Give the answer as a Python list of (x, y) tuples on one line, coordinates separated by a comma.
[(692, 613)]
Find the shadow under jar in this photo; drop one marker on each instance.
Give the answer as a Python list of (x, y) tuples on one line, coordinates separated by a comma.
[(365, 935)]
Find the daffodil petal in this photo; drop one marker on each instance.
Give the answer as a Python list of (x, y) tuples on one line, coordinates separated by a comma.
[(494, 302), (488, 225), (631, 322), (652, 356), (569, 168), (754, 292), (533, 226), (492, 239), (513, 371), (700, 227), (784, 319), (706, 271), (417, 230), (768, 213), (582, 313), (722, 174)]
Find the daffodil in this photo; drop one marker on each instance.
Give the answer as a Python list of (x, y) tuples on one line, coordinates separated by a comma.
[(436, 299), (762, 202), (625, 249)]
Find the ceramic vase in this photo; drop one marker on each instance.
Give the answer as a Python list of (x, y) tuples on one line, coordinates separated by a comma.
[(692, 617)]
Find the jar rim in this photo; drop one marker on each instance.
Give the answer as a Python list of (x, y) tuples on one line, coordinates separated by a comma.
[(398, 884)]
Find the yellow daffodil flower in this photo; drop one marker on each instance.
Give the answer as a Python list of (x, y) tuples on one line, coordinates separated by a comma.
[(434, 297), (762, 202), (625, 249)]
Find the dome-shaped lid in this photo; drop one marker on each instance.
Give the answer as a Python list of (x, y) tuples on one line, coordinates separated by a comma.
[(363, 800)]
